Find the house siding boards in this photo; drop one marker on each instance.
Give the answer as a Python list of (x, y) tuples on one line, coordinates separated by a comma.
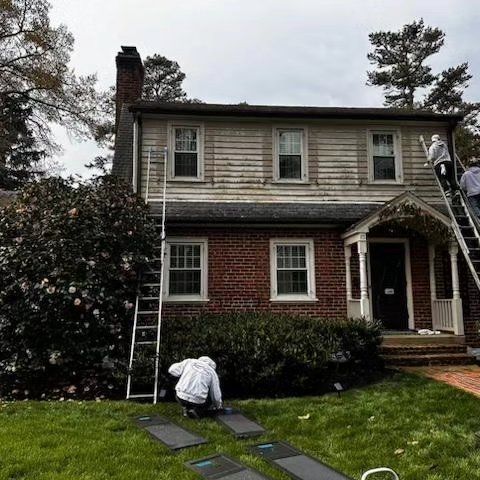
[(238, 162)]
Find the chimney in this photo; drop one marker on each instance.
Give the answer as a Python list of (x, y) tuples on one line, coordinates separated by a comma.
[(130, 74)]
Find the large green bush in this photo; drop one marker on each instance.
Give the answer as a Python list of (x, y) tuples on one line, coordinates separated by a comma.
[(265, 354), (69, 256)]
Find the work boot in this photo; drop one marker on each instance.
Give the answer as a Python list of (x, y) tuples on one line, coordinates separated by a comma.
[(184, 412), (192, 413)]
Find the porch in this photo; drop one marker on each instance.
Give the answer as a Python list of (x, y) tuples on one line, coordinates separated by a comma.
[(391, 278)]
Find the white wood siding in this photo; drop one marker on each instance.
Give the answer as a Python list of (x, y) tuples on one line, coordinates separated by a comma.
[(239, 163)]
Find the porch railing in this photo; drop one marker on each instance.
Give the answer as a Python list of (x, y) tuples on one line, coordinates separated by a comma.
[(442, 313)]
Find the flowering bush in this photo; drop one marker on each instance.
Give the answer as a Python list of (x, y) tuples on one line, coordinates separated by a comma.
[(69, 257)]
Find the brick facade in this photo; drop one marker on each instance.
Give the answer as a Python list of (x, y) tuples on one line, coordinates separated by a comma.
[(239, 275), (239, 272)]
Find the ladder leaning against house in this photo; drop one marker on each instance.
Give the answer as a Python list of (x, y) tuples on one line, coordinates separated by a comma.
[(465, 224), (143, 367)]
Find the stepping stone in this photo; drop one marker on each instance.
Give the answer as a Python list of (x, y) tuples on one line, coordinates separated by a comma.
[(295, 463), (240, 425), (171, 435), (224, 468)]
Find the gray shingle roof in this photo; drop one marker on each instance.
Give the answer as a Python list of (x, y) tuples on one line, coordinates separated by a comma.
[(332, 213), (292, 111)]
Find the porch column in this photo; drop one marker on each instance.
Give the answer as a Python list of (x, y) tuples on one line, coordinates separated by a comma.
[(362, 258), (457, 309), (348, 272)]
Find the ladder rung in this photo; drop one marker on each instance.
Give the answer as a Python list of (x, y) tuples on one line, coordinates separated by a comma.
[(146, 343), (141, 395), (148, 298), (152, 272), (147, 312), (150, 285), (146, 327)]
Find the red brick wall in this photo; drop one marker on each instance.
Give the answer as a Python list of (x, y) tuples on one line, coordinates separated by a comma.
[(471, 303), (239, 272)]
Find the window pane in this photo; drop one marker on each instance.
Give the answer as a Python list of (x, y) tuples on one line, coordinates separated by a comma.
[(383, 145), (291, 256), (184, 282), (384, 168), (185, 139), (186, 165), (290, 166), (290, 142), (292, 281)]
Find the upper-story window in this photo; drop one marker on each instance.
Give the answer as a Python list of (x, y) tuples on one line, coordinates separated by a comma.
[(290, 154), (385, 164), (187, 156)]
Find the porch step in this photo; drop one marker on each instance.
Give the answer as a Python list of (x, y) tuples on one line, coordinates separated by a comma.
[(425, 349), (415, 339), (426, 360)]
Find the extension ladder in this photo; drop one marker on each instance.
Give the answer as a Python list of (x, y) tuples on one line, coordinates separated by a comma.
[(465, 224), (143, 366)]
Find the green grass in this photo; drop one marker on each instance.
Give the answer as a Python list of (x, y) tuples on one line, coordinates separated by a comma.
[(361, 430)]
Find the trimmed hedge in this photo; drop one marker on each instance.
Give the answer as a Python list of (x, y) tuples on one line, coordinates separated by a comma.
[(262, 354)]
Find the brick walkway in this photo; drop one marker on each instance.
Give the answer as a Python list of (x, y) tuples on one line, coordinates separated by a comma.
[(464, 377)]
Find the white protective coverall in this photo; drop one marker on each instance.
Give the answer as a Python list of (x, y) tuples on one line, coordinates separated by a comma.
[(198, 381)]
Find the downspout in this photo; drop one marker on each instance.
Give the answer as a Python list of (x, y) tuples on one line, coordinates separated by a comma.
[(134, 155), (137, 154)]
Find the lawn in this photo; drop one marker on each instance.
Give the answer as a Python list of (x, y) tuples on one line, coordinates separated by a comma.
[(433, 423)]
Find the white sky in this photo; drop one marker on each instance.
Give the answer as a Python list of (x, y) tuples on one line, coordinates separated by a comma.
[(285, 52)]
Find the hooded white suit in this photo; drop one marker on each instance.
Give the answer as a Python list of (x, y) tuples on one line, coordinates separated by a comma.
[(198, 381)]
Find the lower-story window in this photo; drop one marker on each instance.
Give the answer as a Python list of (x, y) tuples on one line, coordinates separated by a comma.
[(186, 266), (292, 269)]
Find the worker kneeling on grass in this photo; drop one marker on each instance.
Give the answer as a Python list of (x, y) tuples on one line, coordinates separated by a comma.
[(198, 389)]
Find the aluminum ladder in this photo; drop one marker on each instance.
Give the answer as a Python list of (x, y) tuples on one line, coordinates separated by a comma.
[(143, 366), (465, 224)]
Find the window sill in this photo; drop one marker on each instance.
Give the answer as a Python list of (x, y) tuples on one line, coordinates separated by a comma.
[(387, 183), (293, 300), (188, 180), (290, 182), (186, 301)]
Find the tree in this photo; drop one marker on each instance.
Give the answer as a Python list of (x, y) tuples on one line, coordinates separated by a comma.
[(69, 257), (35, 76), (19, 149), (163, 80), (408, 82)]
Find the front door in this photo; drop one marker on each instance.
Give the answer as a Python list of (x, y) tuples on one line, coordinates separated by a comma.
[(389, 285)]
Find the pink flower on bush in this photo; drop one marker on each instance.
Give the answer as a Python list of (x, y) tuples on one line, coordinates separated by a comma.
[(77, 302)]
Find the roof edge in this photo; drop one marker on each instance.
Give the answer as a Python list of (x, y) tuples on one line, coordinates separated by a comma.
[(279, 111)]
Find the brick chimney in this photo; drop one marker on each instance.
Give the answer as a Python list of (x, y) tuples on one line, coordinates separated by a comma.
[(130, 74)]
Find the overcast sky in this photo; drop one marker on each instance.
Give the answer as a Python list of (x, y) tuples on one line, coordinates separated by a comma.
[(285, 52)]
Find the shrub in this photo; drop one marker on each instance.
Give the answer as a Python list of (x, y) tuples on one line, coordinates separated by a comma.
[(69, 256), (265, 354)]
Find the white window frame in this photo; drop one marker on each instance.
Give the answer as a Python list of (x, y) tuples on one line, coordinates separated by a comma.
[(203, 296), (310, 296), (200, 150), (276, 154), (397, 148)]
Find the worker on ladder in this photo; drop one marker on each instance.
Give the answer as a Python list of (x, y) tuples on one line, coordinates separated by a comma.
[(198, 389), (440, 157)]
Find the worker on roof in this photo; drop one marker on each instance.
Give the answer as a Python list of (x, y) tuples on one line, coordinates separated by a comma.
[(439, 156), (198, 387), (470, 183)]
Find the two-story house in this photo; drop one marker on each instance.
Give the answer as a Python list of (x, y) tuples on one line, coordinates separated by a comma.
[(328, 212)]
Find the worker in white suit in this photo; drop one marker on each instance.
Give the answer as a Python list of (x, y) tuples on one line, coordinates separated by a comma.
[(198, 387), (440, 157)]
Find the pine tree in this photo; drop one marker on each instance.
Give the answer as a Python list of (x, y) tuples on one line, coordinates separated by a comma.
[(409, 82)]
